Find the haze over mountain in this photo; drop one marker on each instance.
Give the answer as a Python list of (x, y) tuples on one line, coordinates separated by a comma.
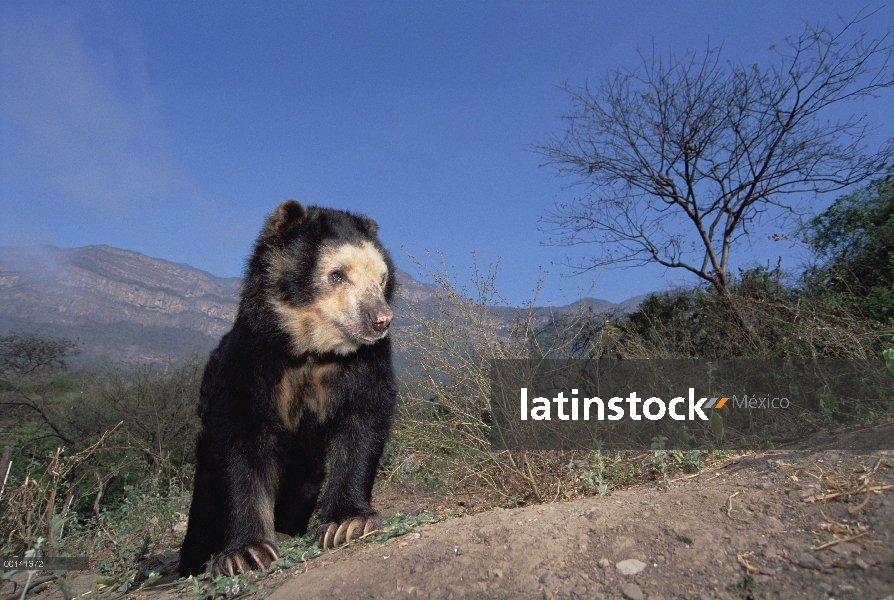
[(125, 306)]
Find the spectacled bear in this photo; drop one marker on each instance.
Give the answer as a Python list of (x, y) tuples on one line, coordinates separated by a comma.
[(305, 375)]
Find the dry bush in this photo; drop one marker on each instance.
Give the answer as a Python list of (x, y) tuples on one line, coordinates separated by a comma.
[(34, 511), (443, 422), (782, 322), (155, 403), (64, 507)]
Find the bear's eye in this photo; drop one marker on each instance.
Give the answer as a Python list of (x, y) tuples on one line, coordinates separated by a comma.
[(337, 277)]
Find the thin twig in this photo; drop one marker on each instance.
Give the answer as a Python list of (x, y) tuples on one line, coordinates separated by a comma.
[(729, 508), (842, 540), (862, 504), (878, 488)]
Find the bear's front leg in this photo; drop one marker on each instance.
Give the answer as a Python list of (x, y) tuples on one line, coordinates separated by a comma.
[(354, 453), (252, 473)]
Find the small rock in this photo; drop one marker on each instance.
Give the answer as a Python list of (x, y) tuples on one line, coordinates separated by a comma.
[(632, 591), (809, 561), (180, 527), (765, 485), (861, 563), (770, 553), (604, 562), (631, 566), (768, 571), (760, 578)]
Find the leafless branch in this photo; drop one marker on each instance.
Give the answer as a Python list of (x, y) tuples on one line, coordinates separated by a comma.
[(682, 155)]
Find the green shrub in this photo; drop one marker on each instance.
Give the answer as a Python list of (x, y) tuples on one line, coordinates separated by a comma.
[(854, 239)]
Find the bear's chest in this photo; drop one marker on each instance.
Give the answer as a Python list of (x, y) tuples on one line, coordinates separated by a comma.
[(304, 389)]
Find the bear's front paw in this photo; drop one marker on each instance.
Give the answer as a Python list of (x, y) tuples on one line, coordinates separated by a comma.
[(330, 535), (251, 557)]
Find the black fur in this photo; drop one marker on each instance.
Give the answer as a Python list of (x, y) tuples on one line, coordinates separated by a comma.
[(256, 475)]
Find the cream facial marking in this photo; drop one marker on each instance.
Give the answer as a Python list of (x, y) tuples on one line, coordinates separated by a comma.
[(351, 309)]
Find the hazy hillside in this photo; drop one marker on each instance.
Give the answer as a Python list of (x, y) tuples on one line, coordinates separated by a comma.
[(100, 284), (122, 305), (119, 304)]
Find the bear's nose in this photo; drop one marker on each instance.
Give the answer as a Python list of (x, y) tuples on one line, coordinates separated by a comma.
[(381, 319)]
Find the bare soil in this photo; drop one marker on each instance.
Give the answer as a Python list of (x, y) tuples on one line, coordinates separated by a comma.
[(798, 524)]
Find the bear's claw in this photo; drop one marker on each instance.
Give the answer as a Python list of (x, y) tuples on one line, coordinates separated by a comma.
[(331, 535), (251, 557)]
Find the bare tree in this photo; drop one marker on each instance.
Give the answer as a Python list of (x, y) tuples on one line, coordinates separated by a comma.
[(682, 156), (23, 359), (156, 403)]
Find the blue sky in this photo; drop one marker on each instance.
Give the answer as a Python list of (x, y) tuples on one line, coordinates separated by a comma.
[(172, 128)]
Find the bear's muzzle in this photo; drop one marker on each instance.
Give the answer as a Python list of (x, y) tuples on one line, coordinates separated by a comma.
[(379, 318)]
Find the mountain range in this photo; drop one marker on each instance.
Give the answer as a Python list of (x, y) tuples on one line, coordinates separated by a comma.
[(123, 306)]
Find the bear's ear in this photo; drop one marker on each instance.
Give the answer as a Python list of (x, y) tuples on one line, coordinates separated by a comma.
[(371, 225), (287, 216)]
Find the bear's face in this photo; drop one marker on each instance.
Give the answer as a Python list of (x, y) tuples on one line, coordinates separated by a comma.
[(351, 309), (332, 291)]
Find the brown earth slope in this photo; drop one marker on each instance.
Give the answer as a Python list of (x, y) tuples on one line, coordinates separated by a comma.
[(697, 540), (807, 523), (798, 524)]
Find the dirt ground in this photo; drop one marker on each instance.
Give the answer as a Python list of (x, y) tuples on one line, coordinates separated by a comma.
[(768, 525)]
